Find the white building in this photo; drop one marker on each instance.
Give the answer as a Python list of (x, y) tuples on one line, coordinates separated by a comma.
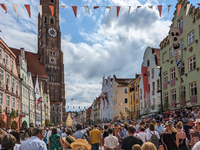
[(149, 97), (106, 105)]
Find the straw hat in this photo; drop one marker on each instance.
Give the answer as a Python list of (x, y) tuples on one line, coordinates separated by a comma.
[(81, 144), (69, 139)]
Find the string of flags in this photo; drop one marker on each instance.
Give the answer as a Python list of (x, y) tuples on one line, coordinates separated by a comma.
[(74, 8)]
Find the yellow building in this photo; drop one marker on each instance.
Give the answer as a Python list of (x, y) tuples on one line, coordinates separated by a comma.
[(133, 96)]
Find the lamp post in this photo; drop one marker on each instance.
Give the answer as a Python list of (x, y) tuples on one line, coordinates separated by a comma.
[(160, 91)]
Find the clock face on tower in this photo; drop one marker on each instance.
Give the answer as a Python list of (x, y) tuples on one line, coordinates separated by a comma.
[(52, 60), (52, 32)]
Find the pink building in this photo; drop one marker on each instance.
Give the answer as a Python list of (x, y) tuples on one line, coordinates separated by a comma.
[(10, 100)]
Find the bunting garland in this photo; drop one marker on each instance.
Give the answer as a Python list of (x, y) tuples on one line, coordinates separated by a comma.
[(4, 7), (169, 7), (108, 7), (28, 9), (178, 8), (40, 9), (188, 7), (74, 9), (129, 9), (15, 7), (160, 9), (138, 8), (118, 9), (62, 6), (95, 7), (86, 7), (52, 9), (151, 7)]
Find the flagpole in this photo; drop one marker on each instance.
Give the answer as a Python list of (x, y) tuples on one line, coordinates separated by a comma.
[(41, 110)]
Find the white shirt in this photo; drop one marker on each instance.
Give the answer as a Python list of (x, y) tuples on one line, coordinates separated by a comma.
[(16, 147), (143, 136), (147, 130), (111, 141), (150, 133), (48, 135), (196, 146), (136, 135)]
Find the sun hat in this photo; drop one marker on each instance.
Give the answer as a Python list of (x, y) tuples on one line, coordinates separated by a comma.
[(69, 139), (81, 144)]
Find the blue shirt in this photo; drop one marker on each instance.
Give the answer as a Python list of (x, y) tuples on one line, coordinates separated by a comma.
[(34, 143), (124, 133), (159, 129), (60, 133), (78, 134)]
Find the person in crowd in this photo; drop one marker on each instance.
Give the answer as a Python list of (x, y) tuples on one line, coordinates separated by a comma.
[(124, 132), (80, 144), (1, 136), (147, 127), (196, 114), (131, 140), (8, 142), (187, 129), (64, 134), (69, 139), (196, 146), (142, 134), (105, 133), (168, 142), (180, 137), (153, 136), (137, 126), (79, 134), (111, 141), (116, 133), (35, 142), (170, 129), (101, 130), (196, 128), (55, 141), (159, 128), (148, 146), (9, 130), (17, 137), (95, 136), (45, 137), (194, 138), (61, 131), (136, 147)]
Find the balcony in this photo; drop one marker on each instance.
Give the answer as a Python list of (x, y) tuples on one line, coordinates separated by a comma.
[(173, 103), (165, 85), (153, 92), (172, 82), (193, 99)]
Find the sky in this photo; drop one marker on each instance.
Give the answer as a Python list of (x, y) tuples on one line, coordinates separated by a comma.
[(93, 45)]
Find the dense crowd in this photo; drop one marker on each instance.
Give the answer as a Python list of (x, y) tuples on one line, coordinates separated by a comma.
[(177, 130)]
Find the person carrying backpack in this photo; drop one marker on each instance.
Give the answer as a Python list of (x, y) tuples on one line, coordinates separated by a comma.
[(153, 136)]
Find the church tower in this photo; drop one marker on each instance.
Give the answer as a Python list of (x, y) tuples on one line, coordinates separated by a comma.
[(51, 56)]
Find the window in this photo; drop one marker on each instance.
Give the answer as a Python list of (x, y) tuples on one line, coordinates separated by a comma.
[(190, 37), (153, 86), (53, 118), (136, 107), (13, 103), (173, 95), (51, 1), (126, 108), (158, 83), (131, 108), (148, 63), (1, 98), (1, 75), (183, 92), (180, 22), (52, 22), (12, 65), (193, 89), (173, 74), (152, 71), (126, 100), (158, 100), (13, 84), (45, 20), (182, 44), (8, 101), (6, 59), (149, 88), (183, 68), (192, 63), (7, 79), (171, 52), (125, 91), (0, 55), (136, 95), (141, 92), (164, 57), (165, 77), (17, 86), (148, 73), (166, 96), (141, 104), (154, 101)]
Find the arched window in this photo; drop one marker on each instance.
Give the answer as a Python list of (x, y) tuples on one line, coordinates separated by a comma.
[(45, 20), (57, 119), (52, 22), (53, 109), (51, 1), (53, 118)]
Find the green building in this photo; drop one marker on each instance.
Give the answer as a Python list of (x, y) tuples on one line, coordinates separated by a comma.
[(189, 80)]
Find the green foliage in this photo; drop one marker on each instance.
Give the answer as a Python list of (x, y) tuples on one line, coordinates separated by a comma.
[(13, 115), (47, 123), (122, 116)]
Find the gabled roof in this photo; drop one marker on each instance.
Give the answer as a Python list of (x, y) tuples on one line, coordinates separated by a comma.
[(33, 63)]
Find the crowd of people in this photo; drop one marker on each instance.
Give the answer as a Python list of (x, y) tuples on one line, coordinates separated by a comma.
[(178, 130)]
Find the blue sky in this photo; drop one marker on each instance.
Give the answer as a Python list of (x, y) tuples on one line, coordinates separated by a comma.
[(93, 45)]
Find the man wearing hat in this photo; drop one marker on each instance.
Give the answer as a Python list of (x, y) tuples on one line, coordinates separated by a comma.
[(187, 129), (124, 132), (159, 127)]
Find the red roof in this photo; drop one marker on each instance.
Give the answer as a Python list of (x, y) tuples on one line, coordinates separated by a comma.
[(33, 63)]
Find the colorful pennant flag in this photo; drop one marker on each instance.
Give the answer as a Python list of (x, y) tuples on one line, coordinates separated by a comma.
[(52, 9), (188, 8), (169, 7), (137, 8), (118, 9), (160, 9), (95, 7), (129, 9), (178, 9), (28, 10), (86, 7), (15, 7), (4, 7), (0, 31), (74, 9), (151, 7), (62, 6), (40, 9), (108, 8)]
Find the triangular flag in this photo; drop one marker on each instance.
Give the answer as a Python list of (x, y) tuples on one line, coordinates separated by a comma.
[(137, 8), (74, 9), (40, 9), (199, 5), (86, 7), (15, 7), (179, 8), (169, 7), (151, 7), (160, 9), (188, 7), (95, 7), (118, 9), (52, 9), (108, 8), (4, 7), (129, 9), (62, 6), (28, 9)]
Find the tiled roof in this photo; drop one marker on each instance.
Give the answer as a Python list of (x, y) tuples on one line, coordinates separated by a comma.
[(33, 63)]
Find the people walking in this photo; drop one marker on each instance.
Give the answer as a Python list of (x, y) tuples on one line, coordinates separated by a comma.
[(55, 141), (95, 136), (111, 141)]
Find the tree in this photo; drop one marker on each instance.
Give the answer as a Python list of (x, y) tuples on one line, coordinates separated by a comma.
[(130, 114), (122, 116), (12, 116), (47, 123)]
